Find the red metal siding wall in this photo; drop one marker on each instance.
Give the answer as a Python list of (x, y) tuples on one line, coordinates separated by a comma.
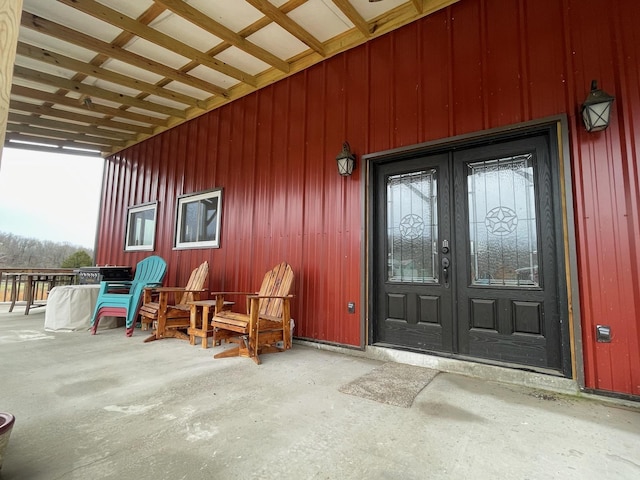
[(476, 65)]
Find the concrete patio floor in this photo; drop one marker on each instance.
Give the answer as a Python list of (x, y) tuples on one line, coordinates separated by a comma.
[(112, 407)]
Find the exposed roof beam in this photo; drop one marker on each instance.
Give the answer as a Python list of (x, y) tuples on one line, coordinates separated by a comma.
[(193, 15), (289, 25), (119, 20), (50, 145), (68, 127), (418, 4), (353, 15), (92, 91), (74, 65), (48, 133), (76, 103), (78, 117)]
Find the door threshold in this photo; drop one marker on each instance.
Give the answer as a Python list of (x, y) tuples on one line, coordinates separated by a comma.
[(513, 374), (496, 373)]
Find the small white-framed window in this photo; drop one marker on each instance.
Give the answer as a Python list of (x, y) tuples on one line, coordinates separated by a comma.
[(198, 220), (141, 227)]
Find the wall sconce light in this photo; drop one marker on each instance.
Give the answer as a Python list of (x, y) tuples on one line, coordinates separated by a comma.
[(346, 160), (596, 109)]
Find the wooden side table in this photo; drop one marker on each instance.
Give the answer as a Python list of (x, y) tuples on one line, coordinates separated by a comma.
[(205, 330)]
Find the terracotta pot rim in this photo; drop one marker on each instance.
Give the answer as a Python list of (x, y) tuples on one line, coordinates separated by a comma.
[(6, 422)]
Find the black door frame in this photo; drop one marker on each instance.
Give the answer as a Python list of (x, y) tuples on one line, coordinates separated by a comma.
[(558, 130)]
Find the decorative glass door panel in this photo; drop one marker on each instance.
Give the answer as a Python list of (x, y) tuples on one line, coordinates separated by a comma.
[(412, 223), (502, 222)]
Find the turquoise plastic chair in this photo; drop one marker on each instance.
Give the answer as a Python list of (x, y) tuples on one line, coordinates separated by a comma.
[(123, 298)]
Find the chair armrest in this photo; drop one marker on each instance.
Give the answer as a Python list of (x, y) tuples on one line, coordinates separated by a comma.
[(162, 295), (232, 293), (174, 289), (117, 283), (271, 296)]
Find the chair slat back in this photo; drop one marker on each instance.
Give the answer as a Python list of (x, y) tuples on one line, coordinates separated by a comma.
[(149, 271), (278, 281), (196, 282)]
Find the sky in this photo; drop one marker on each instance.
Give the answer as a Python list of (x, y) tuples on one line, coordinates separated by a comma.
[(50, 196)]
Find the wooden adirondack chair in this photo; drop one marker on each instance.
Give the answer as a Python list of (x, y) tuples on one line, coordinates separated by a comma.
[(122, 298), (266, 327), (168, 307)]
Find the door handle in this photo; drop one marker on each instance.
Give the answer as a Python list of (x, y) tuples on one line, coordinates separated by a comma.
[(445, 271)]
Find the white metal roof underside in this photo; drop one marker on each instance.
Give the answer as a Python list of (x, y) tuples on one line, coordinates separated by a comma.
[(95, 76)]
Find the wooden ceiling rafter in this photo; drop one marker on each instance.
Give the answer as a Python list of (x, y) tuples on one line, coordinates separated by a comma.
[(53, 145), (49, 111), (353, 15), (46, 133), (75, 103), (69, 126), (277, 16)]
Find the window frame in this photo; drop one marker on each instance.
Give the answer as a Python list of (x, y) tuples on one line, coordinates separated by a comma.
[(185, 199), (131, 211)]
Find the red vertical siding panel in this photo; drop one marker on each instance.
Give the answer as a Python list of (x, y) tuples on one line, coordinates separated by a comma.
[(259, 208), (188, 153), (502, 88), (201, 139), (380, 79), (544, 58), (627, 42), (279, 184), (165, 206), (244, 181), (311, 286), (466, 72), (408, 86), (153, 167), (435, 59), (222, 158), (111, 213), (265, 170), (351, 268), (296, 173), (604, 240), (105, 225), (147, 176), (171, 192), (177, 159), (336, 134), (118, 206), (231, 156)]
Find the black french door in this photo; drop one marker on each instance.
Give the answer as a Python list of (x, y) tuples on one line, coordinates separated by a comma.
[(467, 256)]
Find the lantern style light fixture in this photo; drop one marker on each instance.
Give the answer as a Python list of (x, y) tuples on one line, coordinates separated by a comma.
[(596, 109), (346, 160)]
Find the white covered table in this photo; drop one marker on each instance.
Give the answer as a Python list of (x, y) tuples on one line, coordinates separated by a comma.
[(70, 308)]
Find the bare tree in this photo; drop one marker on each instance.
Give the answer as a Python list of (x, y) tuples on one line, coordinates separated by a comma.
[(23, 252)]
